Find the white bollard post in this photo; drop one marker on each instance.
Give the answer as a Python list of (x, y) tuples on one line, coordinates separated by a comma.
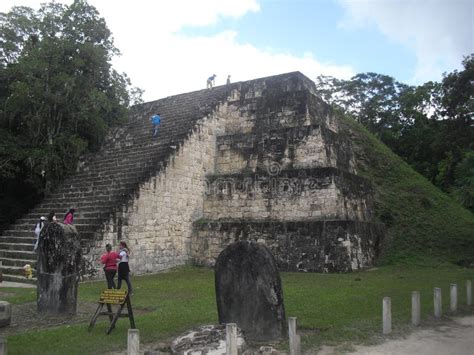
[(231, 339), (293, 336), (387, 315), (469, 292), (3, 346), (298, 344), (133, 343), (453, 297), (415, 308), (438, 310)]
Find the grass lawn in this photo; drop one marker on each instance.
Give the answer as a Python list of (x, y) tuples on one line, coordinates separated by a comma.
[(331, 308)]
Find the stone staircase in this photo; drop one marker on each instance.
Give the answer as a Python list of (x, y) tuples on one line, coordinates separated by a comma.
[(109, 178)]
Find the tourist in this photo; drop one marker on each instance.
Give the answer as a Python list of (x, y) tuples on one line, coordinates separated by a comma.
[(228, 80), (156, 121), (52, 217), (109, 259), (39, 226), (123, 269), (69, 217), (211, 81)]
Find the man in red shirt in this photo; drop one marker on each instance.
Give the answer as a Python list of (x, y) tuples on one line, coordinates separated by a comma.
[(109, 259)]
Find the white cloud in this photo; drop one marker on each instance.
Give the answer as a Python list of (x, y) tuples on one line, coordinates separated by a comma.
[(181, 63), (163, 61), (440, 32)]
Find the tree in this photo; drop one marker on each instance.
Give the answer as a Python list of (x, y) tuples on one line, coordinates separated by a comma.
[(429, 126), (58, 92), (463, 188)]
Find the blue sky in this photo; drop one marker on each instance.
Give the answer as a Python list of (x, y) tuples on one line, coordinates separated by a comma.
[(302, 26), (169, 47)]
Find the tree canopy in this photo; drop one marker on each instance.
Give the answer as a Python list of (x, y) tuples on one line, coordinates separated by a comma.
[(58, 95), (430, 125)]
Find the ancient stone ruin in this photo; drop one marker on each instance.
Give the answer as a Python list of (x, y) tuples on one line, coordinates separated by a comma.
[(249, 292), (59, 260), (264, 160)]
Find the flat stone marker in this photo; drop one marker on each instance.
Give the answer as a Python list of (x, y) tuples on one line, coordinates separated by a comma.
[(59, 257), (248, 291)]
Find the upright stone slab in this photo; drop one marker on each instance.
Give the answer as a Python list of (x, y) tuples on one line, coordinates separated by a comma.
[(248, 291), (5, 313), (58, 265)]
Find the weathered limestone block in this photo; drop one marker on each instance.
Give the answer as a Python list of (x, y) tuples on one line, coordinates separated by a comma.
[(248, 291), (59, 259), (205, 340), (299, 194), (5, 313), (317, 246)]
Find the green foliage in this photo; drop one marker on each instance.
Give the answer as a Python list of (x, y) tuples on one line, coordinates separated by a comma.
[(429, 125), (331, 308), (424, 225), (58, 93), (463, 188)]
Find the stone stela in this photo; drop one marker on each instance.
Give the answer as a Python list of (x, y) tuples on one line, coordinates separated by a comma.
[(113, 297)]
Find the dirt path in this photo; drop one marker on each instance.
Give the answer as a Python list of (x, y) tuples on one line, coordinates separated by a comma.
[(455, 337)]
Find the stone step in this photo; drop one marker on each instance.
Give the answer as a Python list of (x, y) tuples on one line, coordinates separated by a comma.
[(99, 194), (18, 278), (18, 262), (89, 206), (16, 246), (9, 238), (15, 270), (17, 254), (29, 223)]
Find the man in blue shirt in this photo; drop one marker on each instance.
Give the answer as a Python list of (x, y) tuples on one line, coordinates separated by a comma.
[(211, 81), (156, 121)]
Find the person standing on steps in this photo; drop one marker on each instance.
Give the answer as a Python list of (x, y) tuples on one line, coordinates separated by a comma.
[(211, 81), (39, 226), (109, 259), (69, 217), (52, 217), (123, 268), (156, 121)]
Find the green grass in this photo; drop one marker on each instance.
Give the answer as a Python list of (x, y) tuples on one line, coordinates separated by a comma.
[(423, 225), (18, 295), (331, 308)]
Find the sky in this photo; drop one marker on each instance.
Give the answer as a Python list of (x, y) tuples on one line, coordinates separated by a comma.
[(170, 47)]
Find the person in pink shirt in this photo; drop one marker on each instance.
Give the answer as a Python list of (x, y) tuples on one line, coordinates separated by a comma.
[(69, 217), (109, 259)]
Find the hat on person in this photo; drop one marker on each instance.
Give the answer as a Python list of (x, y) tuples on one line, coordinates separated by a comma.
[(42, 218)]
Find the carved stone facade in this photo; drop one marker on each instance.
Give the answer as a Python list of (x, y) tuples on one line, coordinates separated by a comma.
[(269, 165)]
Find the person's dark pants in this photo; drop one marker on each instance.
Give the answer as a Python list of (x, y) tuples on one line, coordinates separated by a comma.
[(124, 274), (110, 275)]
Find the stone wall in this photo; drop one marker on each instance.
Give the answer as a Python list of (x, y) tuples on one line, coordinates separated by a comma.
[(294, 147), (322, 246), (303, 194)]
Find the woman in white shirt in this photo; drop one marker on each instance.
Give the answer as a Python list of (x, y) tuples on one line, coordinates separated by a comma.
[(123, 269)]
